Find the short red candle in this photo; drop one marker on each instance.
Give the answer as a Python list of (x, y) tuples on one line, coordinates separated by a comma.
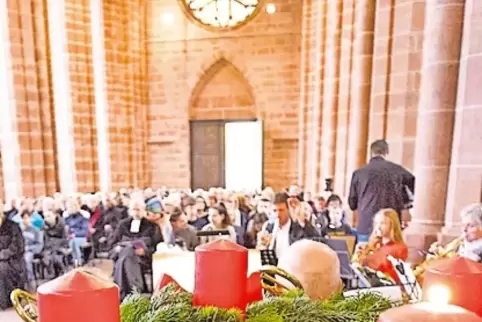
[(78, 296), (221, 275), (428, 312), (462, 278)]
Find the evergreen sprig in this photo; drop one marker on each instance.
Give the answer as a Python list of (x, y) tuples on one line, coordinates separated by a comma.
[(174, 305), (134, 307)]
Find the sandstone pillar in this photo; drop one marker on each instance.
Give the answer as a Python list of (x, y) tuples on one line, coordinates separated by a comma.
[(303, 96), (101, 108), (441, 53), (360, 86), (465, 179), (9, 145), (343, 105), (315, 93), (330, 88), (62, 97)]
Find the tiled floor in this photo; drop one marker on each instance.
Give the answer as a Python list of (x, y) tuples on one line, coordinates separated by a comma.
[(11, 316)]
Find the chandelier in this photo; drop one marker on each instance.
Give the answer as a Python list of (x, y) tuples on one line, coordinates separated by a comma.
[(221, 14)]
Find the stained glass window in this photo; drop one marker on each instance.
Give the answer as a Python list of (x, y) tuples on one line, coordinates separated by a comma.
[(223, 14)]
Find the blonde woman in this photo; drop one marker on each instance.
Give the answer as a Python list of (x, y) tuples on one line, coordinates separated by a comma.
[(385, 240)]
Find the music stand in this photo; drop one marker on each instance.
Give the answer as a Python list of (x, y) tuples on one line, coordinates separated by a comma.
[(208, 233), (346, 271), (362, 280), (338, 245), (268, 257), (407, 279)]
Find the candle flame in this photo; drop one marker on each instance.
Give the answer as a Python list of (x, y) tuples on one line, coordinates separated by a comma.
[(439, 294)]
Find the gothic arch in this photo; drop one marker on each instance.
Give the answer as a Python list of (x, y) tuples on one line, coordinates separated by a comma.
[(222, 92)]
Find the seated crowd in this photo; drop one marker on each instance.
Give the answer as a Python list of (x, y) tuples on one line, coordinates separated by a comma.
[(129, 226)]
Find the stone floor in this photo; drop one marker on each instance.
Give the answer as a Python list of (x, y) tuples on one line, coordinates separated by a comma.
[(11, 316)]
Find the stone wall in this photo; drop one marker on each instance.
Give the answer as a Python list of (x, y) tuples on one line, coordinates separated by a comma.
[(99, 94)]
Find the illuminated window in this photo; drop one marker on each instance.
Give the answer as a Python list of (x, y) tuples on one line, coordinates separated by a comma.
[(222, 14)]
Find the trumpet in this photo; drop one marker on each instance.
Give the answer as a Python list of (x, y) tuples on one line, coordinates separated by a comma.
[(449, 251)]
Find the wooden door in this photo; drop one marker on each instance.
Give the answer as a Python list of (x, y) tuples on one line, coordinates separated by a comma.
[(207, 154)]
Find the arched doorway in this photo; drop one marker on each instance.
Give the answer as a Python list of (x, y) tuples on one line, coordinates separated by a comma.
[(221, 96)]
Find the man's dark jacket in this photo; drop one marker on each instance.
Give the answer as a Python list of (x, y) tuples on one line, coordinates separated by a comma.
[(378, 185)]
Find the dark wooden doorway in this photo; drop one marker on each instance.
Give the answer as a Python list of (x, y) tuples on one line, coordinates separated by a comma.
[(207, 154)]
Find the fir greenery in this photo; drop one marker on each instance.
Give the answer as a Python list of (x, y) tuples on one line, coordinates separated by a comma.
[(173, 305)]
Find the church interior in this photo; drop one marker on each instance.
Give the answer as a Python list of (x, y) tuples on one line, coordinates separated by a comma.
[(227, 100)]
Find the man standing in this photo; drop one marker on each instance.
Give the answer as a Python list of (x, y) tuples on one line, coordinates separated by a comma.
[(379, 184)]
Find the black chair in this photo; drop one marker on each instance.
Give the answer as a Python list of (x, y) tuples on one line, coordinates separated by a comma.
[(38, 268), (147, 279), (86, 250), (99, 253)]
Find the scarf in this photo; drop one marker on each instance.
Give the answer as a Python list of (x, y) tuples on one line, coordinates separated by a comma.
[(95, 217)]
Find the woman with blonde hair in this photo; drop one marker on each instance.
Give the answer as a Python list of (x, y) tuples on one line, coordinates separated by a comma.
[(385, 240)]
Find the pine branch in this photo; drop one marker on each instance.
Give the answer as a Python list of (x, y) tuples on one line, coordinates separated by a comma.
[(134, 307)]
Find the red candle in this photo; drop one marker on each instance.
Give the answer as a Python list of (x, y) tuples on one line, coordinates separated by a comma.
[(78, 296), (221, 275), (428, 312), (462, 280)]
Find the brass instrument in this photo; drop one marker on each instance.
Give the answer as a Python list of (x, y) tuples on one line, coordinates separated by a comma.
[(273, 280), (369, 249), (25, 304), (449, 251)]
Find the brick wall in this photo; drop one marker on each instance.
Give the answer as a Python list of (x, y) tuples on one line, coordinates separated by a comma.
[(79, 47), (32, 97), (189, 65), (283, 69), (127, 96), (369, 86)]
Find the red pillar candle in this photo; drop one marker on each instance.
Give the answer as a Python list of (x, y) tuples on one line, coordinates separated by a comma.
[(78, 296), (254, 291), (221, 275), (428, 312), (460, 278)]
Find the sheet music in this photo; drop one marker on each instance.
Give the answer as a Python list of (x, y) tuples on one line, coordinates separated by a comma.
[(407, 279)]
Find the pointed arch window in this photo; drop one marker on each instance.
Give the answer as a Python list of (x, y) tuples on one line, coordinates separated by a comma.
[(221, 14)]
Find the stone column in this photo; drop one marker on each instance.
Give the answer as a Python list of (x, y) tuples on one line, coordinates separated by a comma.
[(62, 97), (315, 45), (101, 108), (360, 86), (302, 128), (9, 145), (465, 179), (331, 86), (441, 53), (343, 105)]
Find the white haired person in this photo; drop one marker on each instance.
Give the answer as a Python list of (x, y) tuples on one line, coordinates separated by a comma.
[(133, 243), (77, 222), (315, 265), (472, 222), (56, 244)]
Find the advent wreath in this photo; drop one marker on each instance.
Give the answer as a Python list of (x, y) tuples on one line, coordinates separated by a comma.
[(174, 305)]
